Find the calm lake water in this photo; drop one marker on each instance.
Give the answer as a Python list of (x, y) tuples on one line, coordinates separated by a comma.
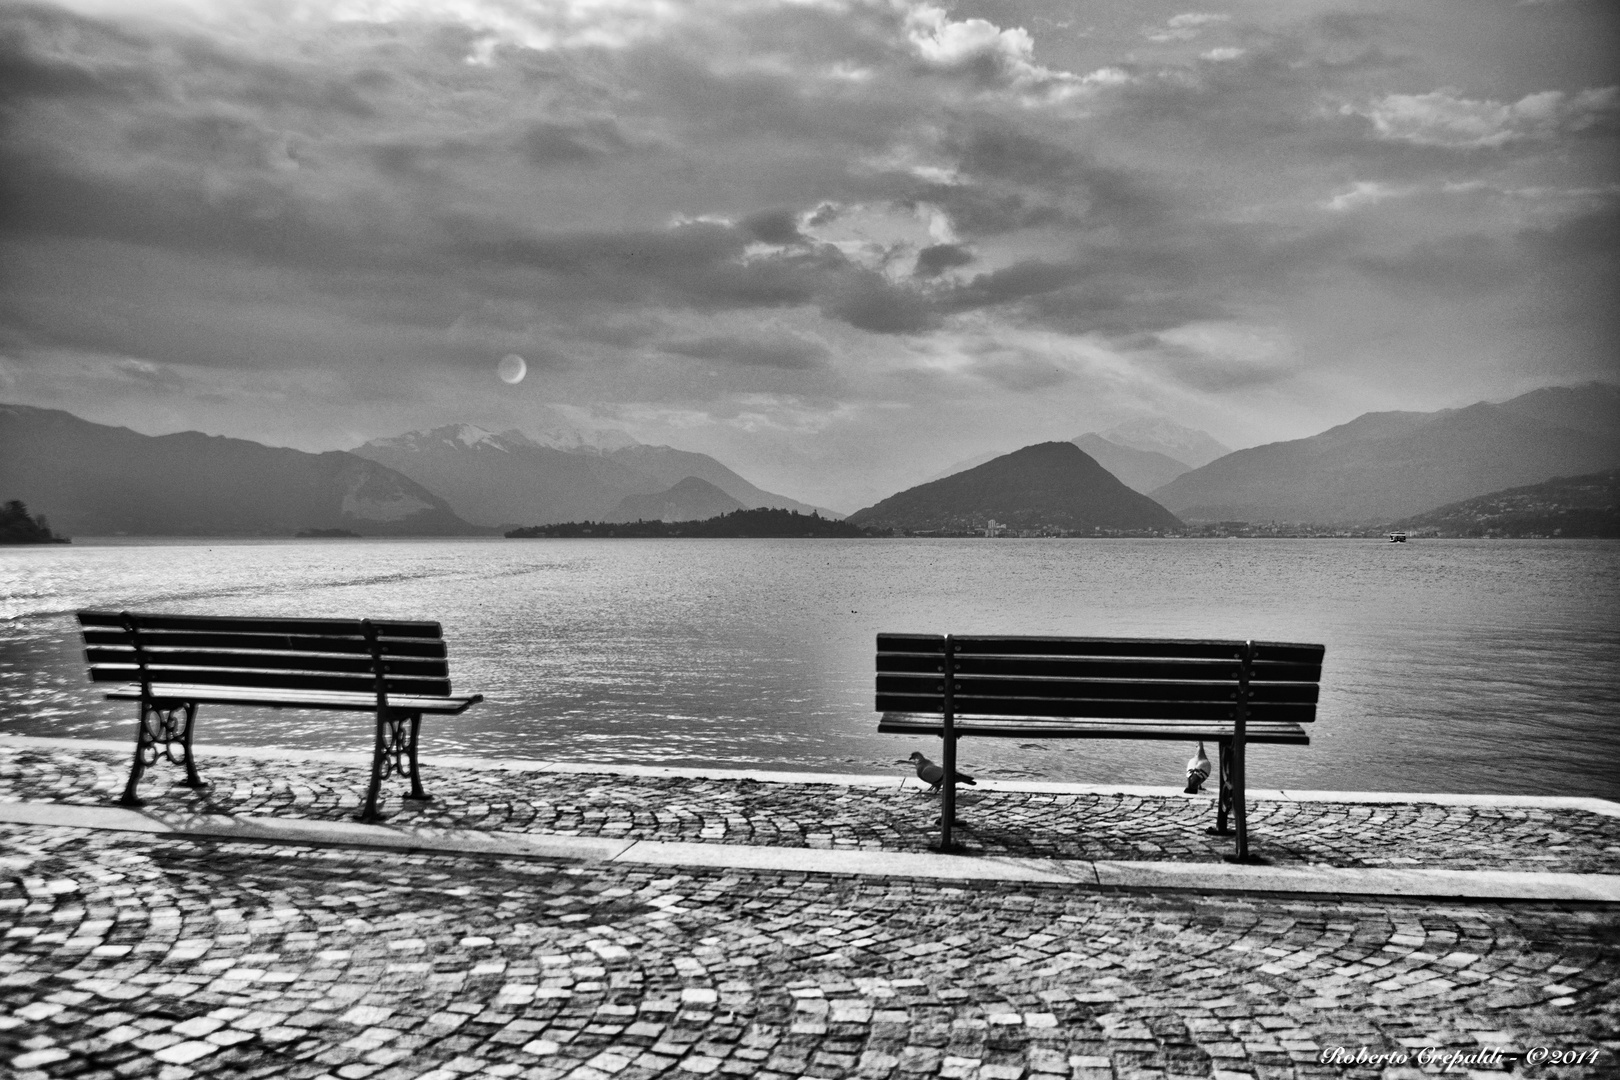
[(1452, 665)]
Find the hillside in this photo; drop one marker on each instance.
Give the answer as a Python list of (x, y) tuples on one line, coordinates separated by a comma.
[(1567, 506), (690, 500), (1383, 466), (498, 479), (1140, 470), (95, 480), (1052, 485)]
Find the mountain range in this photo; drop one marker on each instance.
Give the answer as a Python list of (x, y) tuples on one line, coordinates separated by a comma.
[(1143, 454), (1053, 485), (100, 480), (511, 479), (1389, 465), (463, 480)]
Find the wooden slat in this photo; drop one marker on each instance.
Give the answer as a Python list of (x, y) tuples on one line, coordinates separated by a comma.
[(1081, 668), (270, 661), (917, 643), (1163, 648), (1160, 648), (1122, 710), (417, 647), (217, 695), (242, 625), (1104, 690), (280, 680), (1035, 727)]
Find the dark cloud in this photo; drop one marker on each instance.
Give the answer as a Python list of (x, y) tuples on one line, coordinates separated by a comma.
[(937, 258), (548, 143), (868, 301), (790, 354), (774, 227)]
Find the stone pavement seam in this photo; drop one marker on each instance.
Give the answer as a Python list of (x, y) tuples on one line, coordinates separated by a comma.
[(1494, 885)]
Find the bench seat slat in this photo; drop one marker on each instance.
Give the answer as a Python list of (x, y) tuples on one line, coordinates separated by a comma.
[(417, 647), (1106, 689), (1119, 710), (272, 698), (1023, 645), (1031, 667), (287, 680), (241, 625), (438, 669), (1037, 727)]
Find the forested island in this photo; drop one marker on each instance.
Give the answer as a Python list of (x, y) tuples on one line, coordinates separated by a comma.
[(762, 522), (17, 527)]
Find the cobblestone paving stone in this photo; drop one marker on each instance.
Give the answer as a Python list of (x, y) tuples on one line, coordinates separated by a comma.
[(726, 811), (132, 956)]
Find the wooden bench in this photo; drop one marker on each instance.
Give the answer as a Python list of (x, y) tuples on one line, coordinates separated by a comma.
[(171, 664), (1230, 692)]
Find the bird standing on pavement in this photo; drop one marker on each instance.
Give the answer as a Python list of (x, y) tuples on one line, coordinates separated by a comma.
[(1197, 771), (934, 775)]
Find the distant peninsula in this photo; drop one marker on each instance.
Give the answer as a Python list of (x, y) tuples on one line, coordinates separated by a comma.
[(1565, 506), (17, 527), (761, 522)]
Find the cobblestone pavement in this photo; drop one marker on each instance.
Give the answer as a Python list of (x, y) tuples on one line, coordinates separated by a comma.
[(725, 811), (130, 956)]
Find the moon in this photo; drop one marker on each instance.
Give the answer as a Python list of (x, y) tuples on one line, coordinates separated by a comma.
[(511, 369)]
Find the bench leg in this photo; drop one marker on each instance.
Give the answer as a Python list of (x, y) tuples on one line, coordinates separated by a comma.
[(1240, 801), (1223, 804), (163, 725), (393, 753), (417, 791)]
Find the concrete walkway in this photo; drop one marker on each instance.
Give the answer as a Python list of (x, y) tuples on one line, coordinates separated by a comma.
[(557, 920)]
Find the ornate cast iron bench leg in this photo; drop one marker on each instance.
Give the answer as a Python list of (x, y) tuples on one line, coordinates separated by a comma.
[(417, 791), (394, 754), (162, 725)]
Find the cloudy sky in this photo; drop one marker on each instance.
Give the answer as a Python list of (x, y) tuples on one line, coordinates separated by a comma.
[(836, 243)]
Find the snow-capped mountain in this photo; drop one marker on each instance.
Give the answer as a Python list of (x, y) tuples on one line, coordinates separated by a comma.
[(564, 474)]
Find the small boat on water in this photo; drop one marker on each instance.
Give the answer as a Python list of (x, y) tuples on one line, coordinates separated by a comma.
[(1397, 538)]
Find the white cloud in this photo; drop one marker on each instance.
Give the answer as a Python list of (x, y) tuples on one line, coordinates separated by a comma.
[(1443, 118), (1186, 26), (1364, 193)]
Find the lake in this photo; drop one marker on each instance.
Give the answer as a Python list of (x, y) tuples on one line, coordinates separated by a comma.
[(1452, 665)]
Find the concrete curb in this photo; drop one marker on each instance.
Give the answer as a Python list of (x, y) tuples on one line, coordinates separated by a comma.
[(1604, 807), (1491, 885)]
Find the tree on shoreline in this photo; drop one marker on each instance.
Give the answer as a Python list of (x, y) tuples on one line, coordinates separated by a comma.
[(17, 527)]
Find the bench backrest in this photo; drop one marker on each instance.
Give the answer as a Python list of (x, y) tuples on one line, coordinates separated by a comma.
[(281, 654), (1121, 678)]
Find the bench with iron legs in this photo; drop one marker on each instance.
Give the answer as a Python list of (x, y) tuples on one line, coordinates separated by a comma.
[(1233, 693), (171, 664)]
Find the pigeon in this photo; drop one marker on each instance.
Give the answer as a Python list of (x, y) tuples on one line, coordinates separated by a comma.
[(934, 775), (1197, 771)]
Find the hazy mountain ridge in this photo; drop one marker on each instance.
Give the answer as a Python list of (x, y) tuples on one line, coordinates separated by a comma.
[(1383, 466), (1140, 470), (1053, 485), (692, 499), (93, 479), (1570, 506), (511, 478), (1154, 435)]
